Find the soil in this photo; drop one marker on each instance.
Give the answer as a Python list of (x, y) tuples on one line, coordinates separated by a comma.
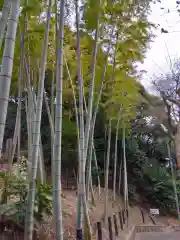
[(158, 236), (46, 230), (69, 213), (69, 199)]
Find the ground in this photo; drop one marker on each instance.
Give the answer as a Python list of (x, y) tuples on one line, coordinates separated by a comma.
[(69, 200), (96, 213), (158, 236), (69, 211)]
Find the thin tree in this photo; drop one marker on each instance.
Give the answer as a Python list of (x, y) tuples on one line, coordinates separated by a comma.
[(81, 215), (115, 156), (36, 132), (4, 19), (106, 192), (58, 127), (125, 168), (92, 81), (7, 65), (173, 179)]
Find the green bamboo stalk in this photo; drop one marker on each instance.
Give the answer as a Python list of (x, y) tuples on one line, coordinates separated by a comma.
[(7, 66), (79, 204), (4, 19), (91, 90), (57, 206), (115, 156), (82, 187), (125, 170), (36, 133), (106, 191)]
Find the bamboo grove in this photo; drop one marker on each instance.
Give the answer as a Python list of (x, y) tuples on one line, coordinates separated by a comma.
[(88, 50)]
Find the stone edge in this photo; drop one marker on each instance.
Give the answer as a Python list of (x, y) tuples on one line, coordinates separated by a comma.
[(137, 229)]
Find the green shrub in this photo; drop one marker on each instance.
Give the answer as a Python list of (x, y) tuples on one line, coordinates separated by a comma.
[(16, 189)]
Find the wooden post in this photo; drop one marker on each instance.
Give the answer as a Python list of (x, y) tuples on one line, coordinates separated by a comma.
[(123, 216), (6, 149), (99, 230), (152, 219), (127, 213), (67, 178), (110, 228), (115, 225), (127, 217), (9, 145), (79, 234), (142, 213), (121, 220)]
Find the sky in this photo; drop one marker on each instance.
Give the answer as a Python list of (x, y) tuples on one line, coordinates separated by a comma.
[(157, 60)]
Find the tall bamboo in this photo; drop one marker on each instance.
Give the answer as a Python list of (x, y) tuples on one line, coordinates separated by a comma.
[(91, 153), (58, 127), (32, 103), (81, 193), (7, 66), (115, 156), (125, 168), (17, 138), (81, 190), (106, 195), (36, 132), (4, 19), (91, 90), (120, 174), (79, 208)]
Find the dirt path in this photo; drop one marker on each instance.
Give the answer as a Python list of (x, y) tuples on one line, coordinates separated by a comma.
[(69, 202), (158, 236)]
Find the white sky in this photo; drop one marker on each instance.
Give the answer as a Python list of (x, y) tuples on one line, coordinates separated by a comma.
[(157, 60)]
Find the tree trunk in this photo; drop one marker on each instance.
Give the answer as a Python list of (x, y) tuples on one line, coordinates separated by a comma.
[(91, 90), (36, 133), (120, 173), (177, 146), (32, 104), (14, 141), (106, 192), (52, 117), (88, 171), (58, 127), (125, 169), (97, 169), (29, 167), (115, 156), (173, 180), (79, 202), (7, 66), (82, 187), (4, 19), (17, 137)]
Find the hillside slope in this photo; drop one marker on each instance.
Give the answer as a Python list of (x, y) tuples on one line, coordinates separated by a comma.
[(96, 214)]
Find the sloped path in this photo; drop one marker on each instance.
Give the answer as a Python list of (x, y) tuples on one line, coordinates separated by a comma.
[(158, 236)]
